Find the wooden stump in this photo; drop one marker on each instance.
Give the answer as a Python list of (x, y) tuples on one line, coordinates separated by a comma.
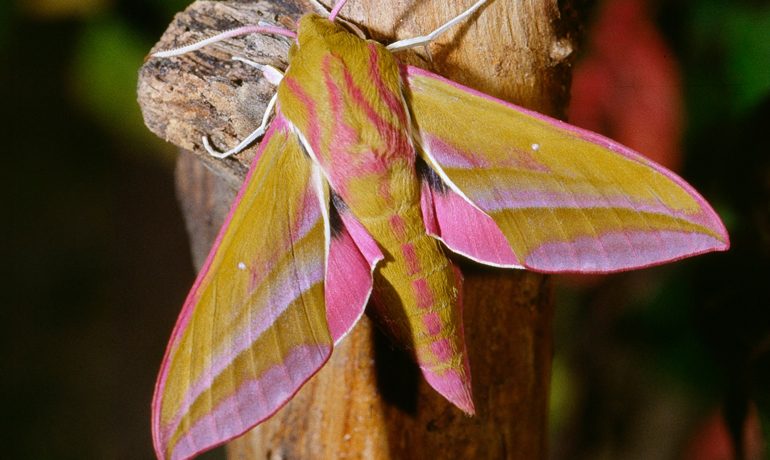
[(370, 401)]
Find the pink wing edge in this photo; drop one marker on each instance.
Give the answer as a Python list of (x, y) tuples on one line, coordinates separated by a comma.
[(355, 240), (279, 123), (446, 215), (353, 257), (711, 217)]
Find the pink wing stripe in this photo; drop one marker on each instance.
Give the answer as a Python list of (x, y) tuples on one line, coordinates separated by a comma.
[(291, 286), (353, 256), (627, 249), (310, 215), (369, 248), (711, 217), (512, 195), (255, 400), (278, 124), (465, 229)]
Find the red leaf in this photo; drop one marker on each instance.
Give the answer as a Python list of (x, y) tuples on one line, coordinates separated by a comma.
[(711, 441), (628, 86)]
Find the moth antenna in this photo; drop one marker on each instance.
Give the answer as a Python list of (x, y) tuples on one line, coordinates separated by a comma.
[(270, 73), (256, 134), (337, 7), (426, 39), (245, 30)]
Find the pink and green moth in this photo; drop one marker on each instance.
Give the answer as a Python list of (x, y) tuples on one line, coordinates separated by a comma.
[(370, 172)]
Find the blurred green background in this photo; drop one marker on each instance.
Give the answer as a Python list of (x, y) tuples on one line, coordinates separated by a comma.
[(671, 362)]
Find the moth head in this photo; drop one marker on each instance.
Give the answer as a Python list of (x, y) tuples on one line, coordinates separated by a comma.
[(314, 30)]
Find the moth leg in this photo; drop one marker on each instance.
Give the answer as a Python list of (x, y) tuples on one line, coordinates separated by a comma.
[(270, 73), (425, 39), (256, 134)]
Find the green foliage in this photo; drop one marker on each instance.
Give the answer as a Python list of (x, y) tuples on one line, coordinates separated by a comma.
[(726, 58), (747, 42), (107, 57)]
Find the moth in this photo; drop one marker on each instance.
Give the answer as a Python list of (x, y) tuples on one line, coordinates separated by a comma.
[(368, 175)]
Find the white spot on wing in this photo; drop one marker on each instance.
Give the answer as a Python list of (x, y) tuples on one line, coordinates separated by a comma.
[(535, 147), (241, 266)]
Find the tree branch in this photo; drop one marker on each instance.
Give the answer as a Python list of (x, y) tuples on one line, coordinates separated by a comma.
[(369, 401)]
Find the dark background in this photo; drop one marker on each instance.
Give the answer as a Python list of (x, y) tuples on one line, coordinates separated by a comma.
[(663, 363)]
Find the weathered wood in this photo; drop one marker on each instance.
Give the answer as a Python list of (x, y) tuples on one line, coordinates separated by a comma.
[(370, 401)]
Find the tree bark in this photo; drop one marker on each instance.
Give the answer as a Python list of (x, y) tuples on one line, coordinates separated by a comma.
[(369, 401)]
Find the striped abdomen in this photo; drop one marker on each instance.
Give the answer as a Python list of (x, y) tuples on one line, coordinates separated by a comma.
[(344, 97), (416, 294)]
